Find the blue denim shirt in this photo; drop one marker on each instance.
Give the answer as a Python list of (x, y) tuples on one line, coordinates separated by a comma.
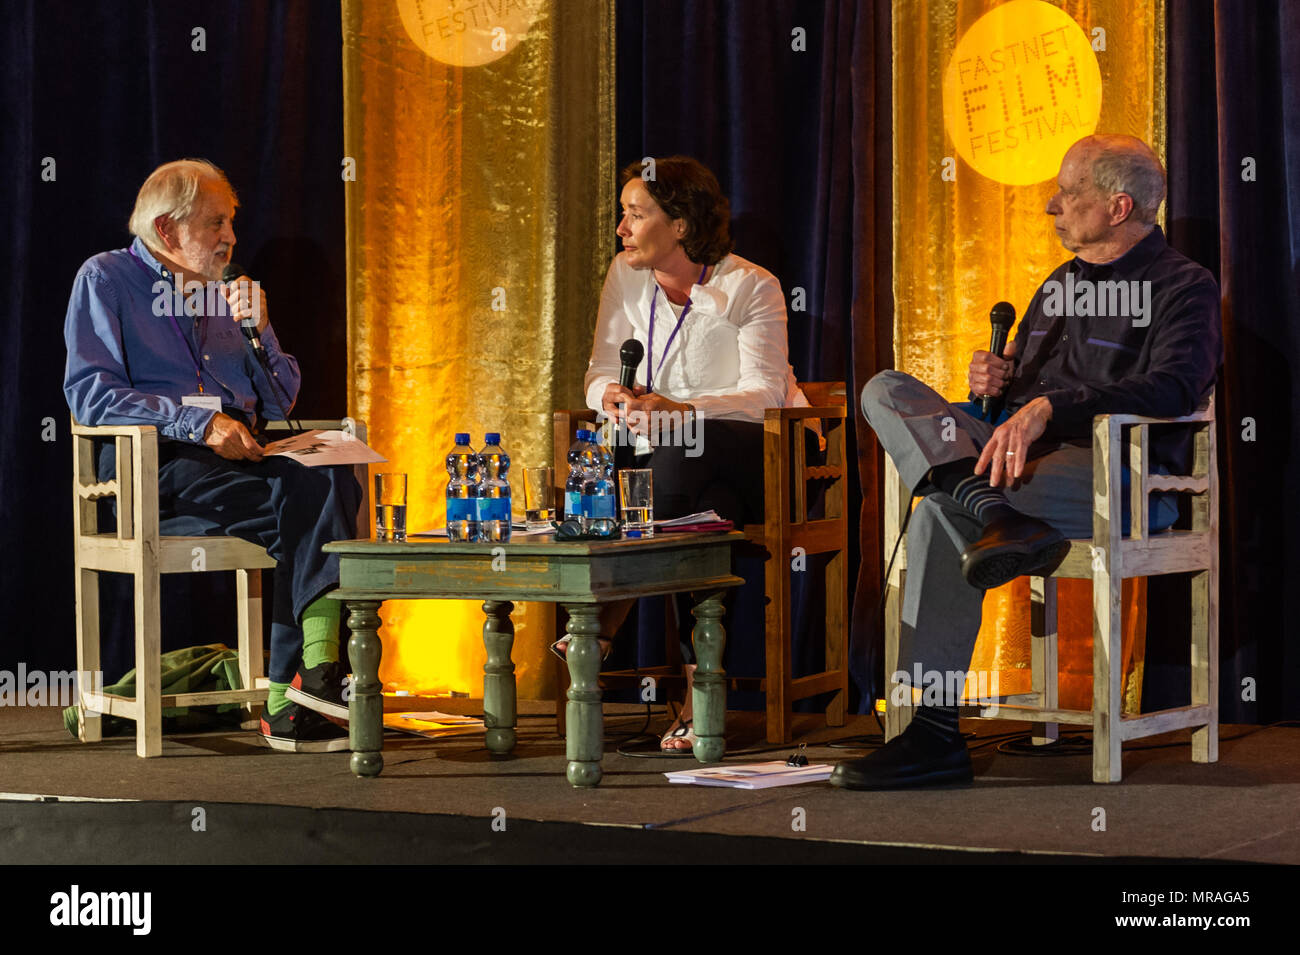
[(128, 365)]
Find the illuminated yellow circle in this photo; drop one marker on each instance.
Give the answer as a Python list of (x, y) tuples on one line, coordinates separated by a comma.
[(1021, 87), (468, 32)]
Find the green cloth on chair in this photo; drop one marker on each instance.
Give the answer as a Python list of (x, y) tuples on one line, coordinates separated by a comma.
[(189, 670)]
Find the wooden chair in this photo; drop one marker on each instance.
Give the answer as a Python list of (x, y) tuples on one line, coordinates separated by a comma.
[(1107, 559), (787, 526), (135, 547)]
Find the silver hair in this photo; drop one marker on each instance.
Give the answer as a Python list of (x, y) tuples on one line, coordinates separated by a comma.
[(1128, 165), (170, 191)]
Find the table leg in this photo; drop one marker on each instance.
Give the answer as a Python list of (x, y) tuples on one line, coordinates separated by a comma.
[(499, 714), (584, 737), (710, 691), (366, 706)]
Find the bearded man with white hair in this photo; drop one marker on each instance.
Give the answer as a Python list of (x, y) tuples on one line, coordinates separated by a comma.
[(1001, 498), (153, 338)]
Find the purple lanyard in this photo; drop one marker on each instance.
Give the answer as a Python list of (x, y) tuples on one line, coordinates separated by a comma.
[(650, 338), (189, 348)]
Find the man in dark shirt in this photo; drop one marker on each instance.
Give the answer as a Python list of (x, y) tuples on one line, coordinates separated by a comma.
[(1128, 326)]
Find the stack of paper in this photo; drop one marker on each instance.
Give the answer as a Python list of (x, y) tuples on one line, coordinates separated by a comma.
[(433, 724), (702, 521), (753, 776), (703, 517)]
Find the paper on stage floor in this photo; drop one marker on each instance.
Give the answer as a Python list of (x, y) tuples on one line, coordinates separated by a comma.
[(433, 724), (317, 449), (753, 775)]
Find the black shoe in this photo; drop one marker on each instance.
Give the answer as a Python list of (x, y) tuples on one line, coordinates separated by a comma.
[(296, 729), (1011, 547), (321, 689), (906, 762)]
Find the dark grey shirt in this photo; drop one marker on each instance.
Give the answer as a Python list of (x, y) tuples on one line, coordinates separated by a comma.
[(1158, 356)]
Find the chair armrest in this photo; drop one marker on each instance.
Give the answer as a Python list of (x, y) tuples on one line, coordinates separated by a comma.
[(113, 430), (1202, 415), (791, 414)]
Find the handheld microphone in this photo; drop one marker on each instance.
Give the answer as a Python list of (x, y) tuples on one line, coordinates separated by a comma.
[(248, 326), (1002, 316), (630, 354)]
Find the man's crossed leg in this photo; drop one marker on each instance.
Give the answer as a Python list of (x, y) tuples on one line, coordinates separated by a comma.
[(963, 538)]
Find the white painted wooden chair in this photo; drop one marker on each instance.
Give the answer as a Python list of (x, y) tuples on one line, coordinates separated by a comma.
[(135, 547), (1107, 559)]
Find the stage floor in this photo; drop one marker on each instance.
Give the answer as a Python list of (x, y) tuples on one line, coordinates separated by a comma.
[(437, 800)]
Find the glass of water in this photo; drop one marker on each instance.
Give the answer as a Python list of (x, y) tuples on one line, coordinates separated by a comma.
[(636, 491), (390, 507), (539, 498)]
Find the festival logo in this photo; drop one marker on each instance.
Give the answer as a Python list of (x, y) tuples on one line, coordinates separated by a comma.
[(1021, 87), (468, 32)]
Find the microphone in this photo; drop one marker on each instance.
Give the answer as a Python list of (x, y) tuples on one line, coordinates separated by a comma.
[(1002, 316), (631, 353), (247, 325)]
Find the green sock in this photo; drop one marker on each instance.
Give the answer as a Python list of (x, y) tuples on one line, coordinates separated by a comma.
[(320, 633), (275, 698)]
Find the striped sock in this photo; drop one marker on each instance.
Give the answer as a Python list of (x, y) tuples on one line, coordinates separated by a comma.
[(958, 480)]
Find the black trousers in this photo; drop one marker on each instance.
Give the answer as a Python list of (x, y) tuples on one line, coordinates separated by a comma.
[(725, 476)]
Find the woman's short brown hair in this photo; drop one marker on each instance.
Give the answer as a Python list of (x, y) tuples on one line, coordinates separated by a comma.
[(686, 189)]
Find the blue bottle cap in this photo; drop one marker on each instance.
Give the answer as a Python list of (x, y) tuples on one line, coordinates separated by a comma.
[(584, 434), (492, 437), (632, 534), (462, 437)]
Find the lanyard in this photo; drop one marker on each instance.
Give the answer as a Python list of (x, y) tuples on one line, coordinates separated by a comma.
[(189, 348), (650, 338)]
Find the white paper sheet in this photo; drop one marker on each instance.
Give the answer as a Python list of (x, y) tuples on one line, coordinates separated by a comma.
[(753, 775), (318, 449)]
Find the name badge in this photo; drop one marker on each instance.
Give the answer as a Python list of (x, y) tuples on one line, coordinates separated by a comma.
[(211, 402)]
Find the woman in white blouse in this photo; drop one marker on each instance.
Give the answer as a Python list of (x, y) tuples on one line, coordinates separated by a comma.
[(713, 326), (714, 330)]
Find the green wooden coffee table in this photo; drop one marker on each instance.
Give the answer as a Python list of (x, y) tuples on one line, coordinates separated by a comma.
[(581, 575)]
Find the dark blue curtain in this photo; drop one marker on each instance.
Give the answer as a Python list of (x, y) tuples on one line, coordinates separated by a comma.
[(108, 91), (1234, 206), (788, 103)]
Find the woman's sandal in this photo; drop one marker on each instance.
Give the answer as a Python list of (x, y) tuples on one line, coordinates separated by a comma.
[(561, 645), (684, 731)]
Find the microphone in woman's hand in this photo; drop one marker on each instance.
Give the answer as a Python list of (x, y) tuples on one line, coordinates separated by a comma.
[(630, 354)]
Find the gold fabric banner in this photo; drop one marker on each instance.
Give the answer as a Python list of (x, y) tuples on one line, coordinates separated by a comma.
[(479, 162), (987, 98)]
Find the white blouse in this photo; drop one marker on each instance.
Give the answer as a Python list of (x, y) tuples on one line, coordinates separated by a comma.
[(731, 357)]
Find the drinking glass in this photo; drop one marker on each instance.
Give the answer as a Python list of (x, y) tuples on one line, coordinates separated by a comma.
[(539, 498), (636, 491), (390, 506)]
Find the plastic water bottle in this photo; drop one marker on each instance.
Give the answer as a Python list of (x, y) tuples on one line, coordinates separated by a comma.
[(599, 506), (462, 491), (577, 477), (493, 490)]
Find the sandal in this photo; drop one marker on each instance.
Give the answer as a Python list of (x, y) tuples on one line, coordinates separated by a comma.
[(561, 645), (684, 731)]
